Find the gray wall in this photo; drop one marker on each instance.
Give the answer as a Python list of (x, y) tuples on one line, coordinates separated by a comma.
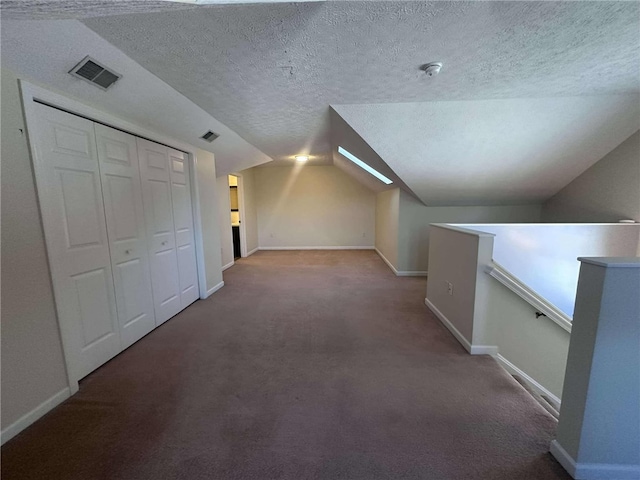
[(607, 192), (33, 368), (387, 210), (413, 231)]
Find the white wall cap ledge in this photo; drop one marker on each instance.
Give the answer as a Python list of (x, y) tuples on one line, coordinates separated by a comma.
[(543, 224), (466, 231), (612, 262)]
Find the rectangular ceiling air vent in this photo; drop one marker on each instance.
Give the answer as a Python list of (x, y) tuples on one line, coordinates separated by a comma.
[(209, 136), (95, 73)]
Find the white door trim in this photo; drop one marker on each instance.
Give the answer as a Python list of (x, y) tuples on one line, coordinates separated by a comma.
[(197, 224), (243, 219), (32, 93)]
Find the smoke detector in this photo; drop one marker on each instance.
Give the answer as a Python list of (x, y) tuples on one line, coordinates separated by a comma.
[(431, 69)]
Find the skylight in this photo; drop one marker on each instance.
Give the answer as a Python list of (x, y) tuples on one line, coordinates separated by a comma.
[(364, 166)]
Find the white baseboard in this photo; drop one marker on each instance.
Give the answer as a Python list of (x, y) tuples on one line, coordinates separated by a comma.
[(393, 269), (563, 458), (606, 471), (214, 289), (513, 370), (593, 471), (411, 273), (30, 417), (484, 350), (400, 273), (490, 350), (251, 252), (318, 248), (445, 321), (228, 265), (472, 349)]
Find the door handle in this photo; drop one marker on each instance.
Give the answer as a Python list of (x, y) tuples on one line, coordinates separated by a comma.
[(164, 243), (127, 252)]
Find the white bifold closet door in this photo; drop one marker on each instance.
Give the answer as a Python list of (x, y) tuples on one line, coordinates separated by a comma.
[(71, 202), (183, 220), (118, 223), (167, 208), (122, 192)]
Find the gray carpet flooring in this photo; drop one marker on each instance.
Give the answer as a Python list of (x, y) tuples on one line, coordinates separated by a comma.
[(306, 365)]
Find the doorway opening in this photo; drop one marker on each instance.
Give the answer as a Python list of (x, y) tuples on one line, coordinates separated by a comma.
[(235, 216)]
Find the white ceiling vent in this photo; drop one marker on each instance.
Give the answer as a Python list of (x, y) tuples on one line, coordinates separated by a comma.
[(95, 73), (209, 136)]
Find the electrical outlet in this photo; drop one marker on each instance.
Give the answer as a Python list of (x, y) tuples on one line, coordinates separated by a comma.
[(271, 235), (364, 234), (450, 288)]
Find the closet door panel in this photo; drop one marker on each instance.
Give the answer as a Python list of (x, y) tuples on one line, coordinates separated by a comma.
[(122, 190), (71, 202), (183, 220), (161, 241)]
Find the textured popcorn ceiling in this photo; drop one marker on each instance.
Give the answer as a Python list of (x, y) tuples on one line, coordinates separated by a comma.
[(270, 73), (66, 9), (75, 9), (43, 52), (495, 152)]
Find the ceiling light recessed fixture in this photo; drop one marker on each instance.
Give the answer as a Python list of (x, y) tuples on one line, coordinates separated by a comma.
[(364, 166), (302, 158), (431, 69)]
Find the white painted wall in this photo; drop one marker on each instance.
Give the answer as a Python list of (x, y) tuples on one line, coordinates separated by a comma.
[(387, 218), (486, 317), (33, 368), (224, 219), (207, 194), (250, 219), (312, 206), (544, 256), (454, 257), (415, 218), (606, 192), (598, 434)]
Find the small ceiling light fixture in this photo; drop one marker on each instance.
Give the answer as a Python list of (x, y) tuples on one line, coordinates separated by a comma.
[(302, 158), (364, 166), (431, 69)]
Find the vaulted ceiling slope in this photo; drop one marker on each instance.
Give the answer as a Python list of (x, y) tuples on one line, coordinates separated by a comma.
[(343, 135), (44, 51), (557, 80), (70, 9), (270, 72), (494, 152)]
